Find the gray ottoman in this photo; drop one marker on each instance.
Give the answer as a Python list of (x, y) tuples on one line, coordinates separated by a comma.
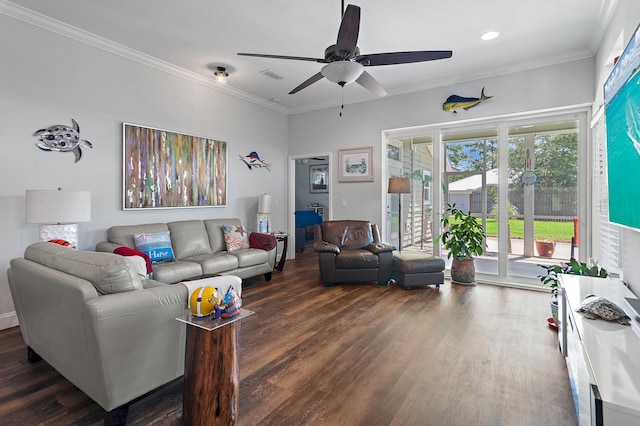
[(416, 269)]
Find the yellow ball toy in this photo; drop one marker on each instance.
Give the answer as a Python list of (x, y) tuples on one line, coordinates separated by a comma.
[(203, 301)]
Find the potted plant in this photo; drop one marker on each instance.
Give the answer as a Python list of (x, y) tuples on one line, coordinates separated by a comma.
[(464, 237), (545, 248), (552, 280)]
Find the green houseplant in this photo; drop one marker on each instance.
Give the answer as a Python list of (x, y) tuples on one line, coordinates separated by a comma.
[(551, 278), (464, 237)]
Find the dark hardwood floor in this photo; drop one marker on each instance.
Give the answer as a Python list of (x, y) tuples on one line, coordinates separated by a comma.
[(354, 354)]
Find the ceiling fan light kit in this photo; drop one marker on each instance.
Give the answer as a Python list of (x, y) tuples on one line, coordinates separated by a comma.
[(342, 72), (221, 75), (345, 64)]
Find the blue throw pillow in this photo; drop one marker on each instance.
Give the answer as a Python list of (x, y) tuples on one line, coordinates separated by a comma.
[(157, 246)]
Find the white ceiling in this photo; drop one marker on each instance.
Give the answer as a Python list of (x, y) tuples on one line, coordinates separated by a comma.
[(198, 35)]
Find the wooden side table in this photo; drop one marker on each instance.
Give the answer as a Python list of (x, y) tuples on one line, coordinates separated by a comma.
[(211, 371), (284, 237)]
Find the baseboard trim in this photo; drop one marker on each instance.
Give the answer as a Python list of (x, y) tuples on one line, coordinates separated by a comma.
[(8, 320)]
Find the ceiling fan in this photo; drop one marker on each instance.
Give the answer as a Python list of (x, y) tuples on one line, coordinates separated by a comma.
[(345, 64)]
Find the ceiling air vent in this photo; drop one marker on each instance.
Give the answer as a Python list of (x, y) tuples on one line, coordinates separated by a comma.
[(272, 74)]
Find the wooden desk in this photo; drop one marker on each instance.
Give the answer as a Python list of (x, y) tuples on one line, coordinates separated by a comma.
[(211, 371)]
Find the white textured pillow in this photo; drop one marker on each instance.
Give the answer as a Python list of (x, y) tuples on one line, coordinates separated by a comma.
[(235, 237)]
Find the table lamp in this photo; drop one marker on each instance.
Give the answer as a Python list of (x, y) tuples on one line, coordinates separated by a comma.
[(58, 212), (264, 213), (398, 185)]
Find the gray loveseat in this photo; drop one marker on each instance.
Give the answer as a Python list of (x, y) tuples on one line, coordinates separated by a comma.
[(199, 248), (90, 316)]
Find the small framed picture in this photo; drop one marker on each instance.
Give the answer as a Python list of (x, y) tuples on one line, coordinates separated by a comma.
[(355, 164), (318, 178)]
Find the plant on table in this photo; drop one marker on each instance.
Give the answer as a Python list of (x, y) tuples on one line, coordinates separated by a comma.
[(573, 267), (551, 278)]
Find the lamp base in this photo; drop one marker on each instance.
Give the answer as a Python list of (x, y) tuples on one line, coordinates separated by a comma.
[(264, 223), (68, 231)]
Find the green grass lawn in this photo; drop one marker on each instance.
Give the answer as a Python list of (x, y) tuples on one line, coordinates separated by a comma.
[(542, 229)]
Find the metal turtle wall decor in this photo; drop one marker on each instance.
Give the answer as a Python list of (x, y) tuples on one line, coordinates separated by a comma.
[(62, 138)]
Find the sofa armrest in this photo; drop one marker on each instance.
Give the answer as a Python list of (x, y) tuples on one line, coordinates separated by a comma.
[(134, 342), (323, 246), (380, 247)]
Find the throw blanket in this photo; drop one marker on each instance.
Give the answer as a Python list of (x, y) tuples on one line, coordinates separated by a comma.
[(126, 251), (262, 241)]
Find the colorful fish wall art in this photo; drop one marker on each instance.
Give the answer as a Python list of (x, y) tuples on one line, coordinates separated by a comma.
[(455, 102), (62, 138), (253, 161)]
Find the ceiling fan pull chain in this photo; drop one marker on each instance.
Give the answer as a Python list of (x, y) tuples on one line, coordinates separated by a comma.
[(341, 100)]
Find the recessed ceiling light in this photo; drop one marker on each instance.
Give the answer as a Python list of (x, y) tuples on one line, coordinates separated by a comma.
[(490, 35)]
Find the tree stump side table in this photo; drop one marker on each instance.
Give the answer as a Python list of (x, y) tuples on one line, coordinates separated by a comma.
[(211, 371)]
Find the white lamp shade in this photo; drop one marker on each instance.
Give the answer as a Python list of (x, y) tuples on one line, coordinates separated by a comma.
[(57, 206), (342, 71), (264, 203)]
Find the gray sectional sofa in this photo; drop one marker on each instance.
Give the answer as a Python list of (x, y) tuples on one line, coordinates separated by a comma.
[(199, 248), (91, 317)]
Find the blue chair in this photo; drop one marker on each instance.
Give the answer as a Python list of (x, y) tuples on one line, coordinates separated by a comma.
[(305, 219)]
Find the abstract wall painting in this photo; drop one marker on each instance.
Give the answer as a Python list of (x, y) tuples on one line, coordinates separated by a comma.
[(164, 169)]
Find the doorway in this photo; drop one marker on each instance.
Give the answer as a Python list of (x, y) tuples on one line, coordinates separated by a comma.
[(310, 186), (413, 158)]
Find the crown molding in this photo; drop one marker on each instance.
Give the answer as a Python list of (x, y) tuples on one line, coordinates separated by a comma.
[(23, 14)]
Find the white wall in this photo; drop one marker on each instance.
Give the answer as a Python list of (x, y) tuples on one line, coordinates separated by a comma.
[(625, 21), (47, 79), (362, 124)]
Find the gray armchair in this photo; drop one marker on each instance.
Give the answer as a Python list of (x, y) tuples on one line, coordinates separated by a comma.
[(351, 251)]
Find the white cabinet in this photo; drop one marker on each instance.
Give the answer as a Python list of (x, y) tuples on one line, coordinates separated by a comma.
[(603, 357)]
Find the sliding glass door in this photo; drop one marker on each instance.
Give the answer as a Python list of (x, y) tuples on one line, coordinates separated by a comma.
[(524, 180), (470, 180), (543, 195)]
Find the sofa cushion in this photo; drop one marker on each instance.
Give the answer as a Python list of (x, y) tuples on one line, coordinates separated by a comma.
[(347, 234), (235, 237), (357, 259), (215, 263), (173, 272), (123, 234), (251, 257), (108, 272), (189, 238), (156, 245)]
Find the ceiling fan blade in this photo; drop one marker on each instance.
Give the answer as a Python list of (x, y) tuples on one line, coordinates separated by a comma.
[(392, 58), (295, 58), (348, 33), (308, 82), (368, 82)]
